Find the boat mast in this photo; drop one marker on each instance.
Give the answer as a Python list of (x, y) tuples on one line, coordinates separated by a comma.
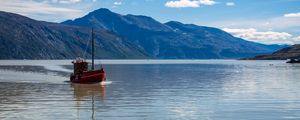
[(93, 54)]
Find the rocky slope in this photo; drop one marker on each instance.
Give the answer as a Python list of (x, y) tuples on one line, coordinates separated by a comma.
[(292, 52), (173, 39), (119, 36), (25, 38)]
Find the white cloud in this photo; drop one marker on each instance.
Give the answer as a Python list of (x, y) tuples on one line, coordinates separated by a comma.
[(267, 37), (39, 10), (292, 15), (230, 4), (66, 1), (288, 24), (207, 2), (189, 3), (182, 3), (118, 3), (296, 39)]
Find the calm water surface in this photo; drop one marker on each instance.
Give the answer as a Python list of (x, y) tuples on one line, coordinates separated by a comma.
[(152, 90)]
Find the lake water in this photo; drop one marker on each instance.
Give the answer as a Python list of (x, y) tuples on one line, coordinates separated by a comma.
[(152, 90)]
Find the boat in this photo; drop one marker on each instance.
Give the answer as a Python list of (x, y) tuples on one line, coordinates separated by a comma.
[(82, 74), (293, 61)]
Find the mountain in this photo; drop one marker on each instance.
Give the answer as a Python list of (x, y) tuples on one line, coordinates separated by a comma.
[(292, 52), (119, 36), (25, 38), (173, 39)]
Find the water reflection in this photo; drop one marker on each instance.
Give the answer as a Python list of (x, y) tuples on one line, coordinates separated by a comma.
[(87, 95), (220, 91)]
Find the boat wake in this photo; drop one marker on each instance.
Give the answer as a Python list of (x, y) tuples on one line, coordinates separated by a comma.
[(105, 82), (56, 68)]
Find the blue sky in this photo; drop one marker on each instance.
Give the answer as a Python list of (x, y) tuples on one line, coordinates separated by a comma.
[(264, 21)]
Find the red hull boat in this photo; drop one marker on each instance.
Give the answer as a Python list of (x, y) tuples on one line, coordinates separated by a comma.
[(92, 76), (83, 75)]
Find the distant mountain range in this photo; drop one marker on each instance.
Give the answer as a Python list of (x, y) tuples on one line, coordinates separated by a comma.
[(120, 37), (292, 52), (25, 38)]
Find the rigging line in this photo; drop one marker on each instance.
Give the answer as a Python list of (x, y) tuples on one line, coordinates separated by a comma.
[(86, 47), (80, 53), (99, 60), (85, 51)]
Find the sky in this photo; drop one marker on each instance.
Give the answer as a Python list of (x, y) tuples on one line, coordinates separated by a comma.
[(263, 21)]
